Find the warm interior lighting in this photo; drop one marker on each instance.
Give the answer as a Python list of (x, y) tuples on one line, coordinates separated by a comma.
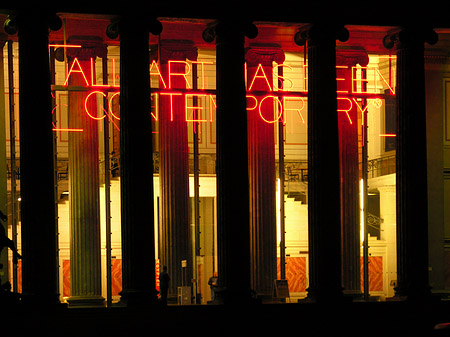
[(279, 202), (361, 210)]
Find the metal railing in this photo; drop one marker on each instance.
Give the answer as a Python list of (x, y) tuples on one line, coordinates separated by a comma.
[(381, 166)]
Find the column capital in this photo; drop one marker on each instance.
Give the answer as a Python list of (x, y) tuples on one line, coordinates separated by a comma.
[(410, 35), (178, 50), (20, 18), (320, 32), (123, 23), (92, 47), (351, 56), (224, 27), (264, 54)]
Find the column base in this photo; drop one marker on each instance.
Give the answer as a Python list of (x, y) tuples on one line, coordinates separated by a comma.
[(86, 302), (326, 296), (354, 295), (138, 298), (235, 296)]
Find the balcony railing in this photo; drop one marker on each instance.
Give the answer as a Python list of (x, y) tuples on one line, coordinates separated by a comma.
[(381, 166)]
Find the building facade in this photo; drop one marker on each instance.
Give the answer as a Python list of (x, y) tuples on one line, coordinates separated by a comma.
[(261, 150)]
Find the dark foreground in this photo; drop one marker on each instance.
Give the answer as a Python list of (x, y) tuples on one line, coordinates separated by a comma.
[(399, 318)]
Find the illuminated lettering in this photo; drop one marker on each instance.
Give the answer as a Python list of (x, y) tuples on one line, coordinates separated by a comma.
[(286, 99), (183, 75), (155, 98), (346, 110), (263, 76), (202, 72), (193, 108), (76, 68), (282, 78), (255, 100), (110, 105), (55, 128), (392, 90), (158, 72), (86, 104), (338, 79), (277, 91), (212, 105), (171, 94), (279, 105)]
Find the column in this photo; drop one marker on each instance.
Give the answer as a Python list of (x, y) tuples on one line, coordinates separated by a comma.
[(84, 192), (324, 207), (262, 177), (136, 161), (175, 231), (233, 229), (349, 119), (39, 227), (411, 179)]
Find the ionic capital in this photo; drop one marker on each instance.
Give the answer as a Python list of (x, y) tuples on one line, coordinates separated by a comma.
[(319, 33), (228, 27), (91, 47), (405, 37), (177, 50), (128, 22), (351, 56), (264, 54), (22, 19)]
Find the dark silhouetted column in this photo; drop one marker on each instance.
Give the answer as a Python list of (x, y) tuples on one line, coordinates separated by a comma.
[(324, 208), (39, 228), (233, 229), (84, 192), (136, 162), (262, 177), (175, 231), (411, 154)]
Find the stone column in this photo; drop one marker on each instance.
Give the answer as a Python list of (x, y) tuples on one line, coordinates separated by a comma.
[(136, 159), (37, 179), (262, 177), (349, 163), (324, 207), (84, 189), (233, 228), (175, 231), (411, 160)]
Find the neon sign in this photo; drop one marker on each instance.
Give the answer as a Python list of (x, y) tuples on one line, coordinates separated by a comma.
[(291, 98)]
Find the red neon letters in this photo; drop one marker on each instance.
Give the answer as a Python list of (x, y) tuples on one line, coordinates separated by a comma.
[(199, 103)]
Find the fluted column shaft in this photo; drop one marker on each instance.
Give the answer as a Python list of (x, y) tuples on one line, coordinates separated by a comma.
[(411, 160), (324, 208), (261, 152), (84, 189), (175, 232), (349, 162)]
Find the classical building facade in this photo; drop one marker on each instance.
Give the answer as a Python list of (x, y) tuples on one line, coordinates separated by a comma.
[(261, 150)]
